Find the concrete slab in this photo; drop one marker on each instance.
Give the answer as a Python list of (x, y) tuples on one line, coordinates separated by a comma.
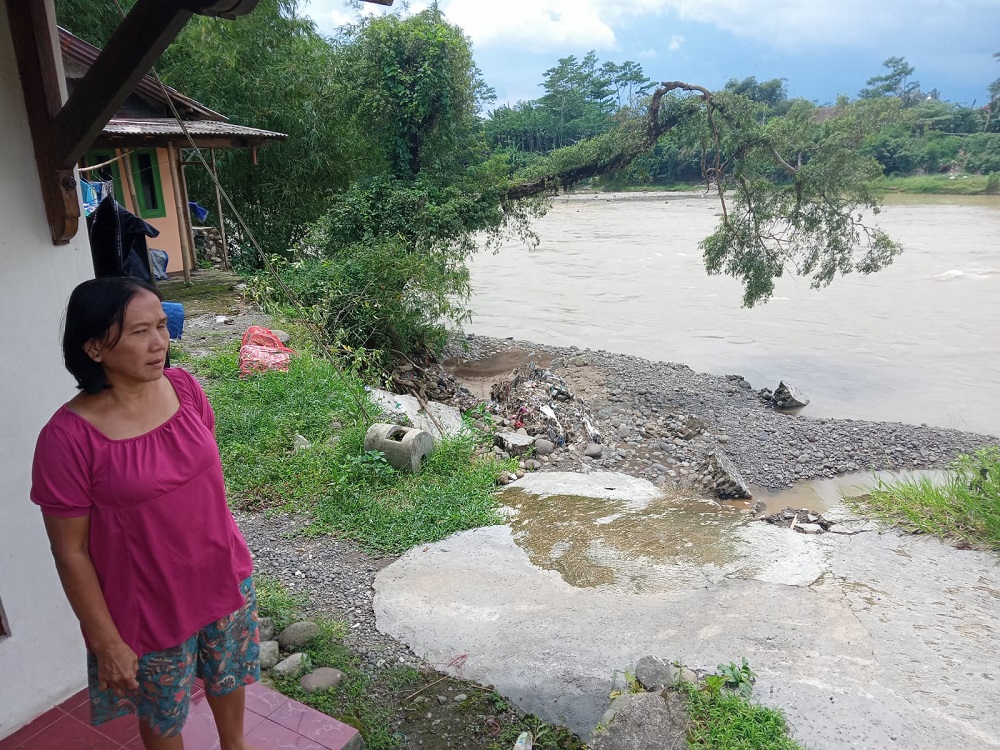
[(439, 420), (870, 640)]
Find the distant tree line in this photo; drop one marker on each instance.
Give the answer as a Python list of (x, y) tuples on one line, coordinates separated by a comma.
[(585, 97)]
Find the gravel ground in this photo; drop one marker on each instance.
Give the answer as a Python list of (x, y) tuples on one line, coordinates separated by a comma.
[(335, 575), (647, 411)]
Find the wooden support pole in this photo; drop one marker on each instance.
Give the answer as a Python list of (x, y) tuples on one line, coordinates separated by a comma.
[(129, 182), (187, 225), (181, 208), (218, 207)]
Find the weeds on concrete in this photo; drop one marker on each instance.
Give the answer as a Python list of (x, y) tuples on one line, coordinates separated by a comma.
[(724, 718), (728, 721), (965, 508)]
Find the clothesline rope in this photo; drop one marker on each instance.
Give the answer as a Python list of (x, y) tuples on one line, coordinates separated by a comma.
[(104, 163)]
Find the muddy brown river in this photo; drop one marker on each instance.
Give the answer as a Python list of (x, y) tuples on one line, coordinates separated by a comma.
[(917, 342)]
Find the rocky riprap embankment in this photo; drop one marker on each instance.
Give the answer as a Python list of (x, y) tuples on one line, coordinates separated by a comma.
[(667, 423)]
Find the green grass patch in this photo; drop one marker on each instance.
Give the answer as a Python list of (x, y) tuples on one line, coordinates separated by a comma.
[(277, 602), (943, 184), (728, 721), (349, 491), (965, 508)]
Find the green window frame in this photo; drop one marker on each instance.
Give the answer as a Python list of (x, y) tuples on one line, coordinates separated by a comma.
[(112, 171), (148, 187)]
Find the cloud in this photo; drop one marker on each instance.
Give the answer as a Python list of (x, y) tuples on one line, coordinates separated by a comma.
[(535, 25), (790, 25), (800, 24), (647, 54)]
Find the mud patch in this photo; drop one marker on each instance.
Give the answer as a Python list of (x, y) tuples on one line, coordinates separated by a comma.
[(663, 545), (479, 374)]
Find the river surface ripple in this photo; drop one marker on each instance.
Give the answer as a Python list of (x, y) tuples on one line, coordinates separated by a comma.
[(917, 342)]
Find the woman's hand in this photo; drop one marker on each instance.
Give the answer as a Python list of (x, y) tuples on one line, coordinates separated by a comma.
[(117, 667), (117, 664)]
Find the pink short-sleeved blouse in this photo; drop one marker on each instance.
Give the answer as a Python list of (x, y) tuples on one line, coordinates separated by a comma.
[(165, 546)]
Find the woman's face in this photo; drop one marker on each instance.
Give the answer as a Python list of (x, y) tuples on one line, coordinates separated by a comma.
[(140, 352)]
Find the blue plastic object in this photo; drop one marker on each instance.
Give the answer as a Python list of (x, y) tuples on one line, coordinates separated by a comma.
[(175, 319), (200, 212)]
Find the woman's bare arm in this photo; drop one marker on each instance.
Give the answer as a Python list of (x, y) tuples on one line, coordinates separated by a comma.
[(116, 662)]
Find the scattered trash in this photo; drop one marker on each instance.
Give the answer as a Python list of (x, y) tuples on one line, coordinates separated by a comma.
[(262, 351), (524, 741)]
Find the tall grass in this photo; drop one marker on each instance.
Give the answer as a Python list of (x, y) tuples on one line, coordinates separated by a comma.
[(942, 184), (965, 508)]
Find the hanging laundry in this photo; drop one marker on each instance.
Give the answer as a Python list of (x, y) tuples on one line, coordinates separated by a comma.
[(118, 241), (93, 193)]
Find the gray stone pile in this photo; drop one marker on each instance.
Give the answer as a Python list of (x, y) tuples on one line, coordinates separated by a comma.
[(281, 655), (208, 246), (646, 714)]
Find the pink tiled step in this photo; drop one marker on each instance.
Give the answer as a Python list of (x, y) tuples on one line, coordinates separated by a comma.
[(272, 722)]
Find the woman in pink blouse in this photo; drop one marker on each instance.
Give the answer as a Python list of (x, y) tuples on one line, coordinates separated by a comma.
[(129, 480)]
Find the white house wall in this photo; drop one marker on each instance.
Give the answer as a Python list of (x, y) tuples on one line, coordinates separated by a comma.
[(42, 657)]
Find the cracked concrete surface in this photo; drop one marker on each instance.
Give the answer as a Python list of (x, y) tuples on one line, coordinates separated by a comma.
[(864, 640)]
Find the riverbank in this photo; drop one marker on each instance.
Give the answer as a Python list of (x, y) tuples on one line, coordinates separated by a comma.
[(923, 184), (664, 422)]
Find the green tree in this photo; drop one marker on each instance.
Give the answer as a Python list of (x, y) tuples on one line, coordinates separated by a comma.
[(272, 70), (93, 22), (578, 96), (386, 263), (993, 109), (630, 85), (769, 93), (896, 82), (793, 189), (414, 84)]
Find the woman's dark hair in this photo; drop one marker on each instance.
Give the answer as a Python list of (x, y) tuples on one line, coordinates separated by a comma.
[(95, 308)]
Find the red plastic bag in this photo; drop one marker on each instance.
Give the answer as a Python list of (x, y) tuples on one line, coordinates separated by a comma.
[(262, 351)]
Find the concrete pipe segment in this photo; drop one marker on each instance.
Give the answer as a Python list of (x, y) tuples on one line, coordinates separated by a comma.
[(404, 447)]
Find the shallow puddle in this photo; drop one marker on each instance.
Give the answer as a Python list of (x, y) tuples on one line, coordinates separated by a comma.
[(664, 544), (620, 533), (820, 495)]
